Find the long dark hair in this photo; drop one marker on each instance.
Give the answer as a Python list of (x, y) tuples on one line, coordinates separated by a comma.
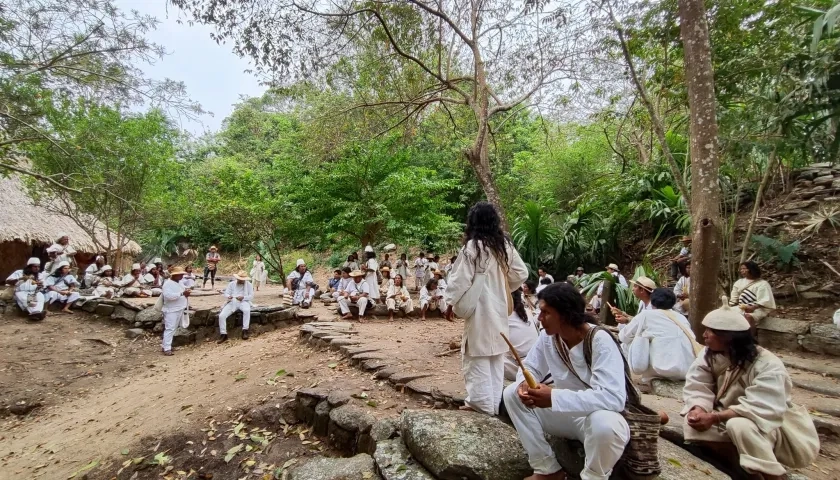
[(27, 270), (568, 302), (518, 306), (484, 225), (741, 345), (753, 268)]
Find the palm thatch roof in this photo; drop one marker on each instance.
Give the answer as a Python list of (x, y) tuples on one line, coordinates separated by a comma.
[(21, 219)]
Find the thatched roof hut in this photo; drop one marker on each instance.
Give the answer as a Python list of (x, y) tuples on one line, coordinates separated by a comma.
[(27, 229)]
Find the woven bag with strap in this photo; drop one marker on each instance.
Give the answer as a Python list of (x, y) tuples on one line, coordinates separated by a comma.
[(641, 456)]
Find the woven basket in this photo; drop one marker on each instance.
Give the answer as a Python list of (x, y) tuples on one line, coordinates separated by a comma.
[(641, 456)]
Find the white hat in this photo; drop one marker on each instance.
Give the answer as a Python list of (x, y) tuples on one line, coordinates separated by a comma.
[(157, 260), (61, 235), (368, 249), (390, 247), (61, 265), (726, 318), (104, 269), (613, 266), (98, 258), (135, 266), (33, 261), (300, 262), (645, 283)]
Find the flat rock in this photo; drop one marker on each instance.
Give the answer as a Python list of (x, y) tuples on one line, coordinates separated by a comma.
[(827, 367), (104, 310), (394, 462), (352, 418), (338, 398), (134, 332), (820, 344), (125, 314), (149, 315), (405, 377), (386, 372), (360, 467), (360, 357), (667, 388), (350, 351), (825, 387), (316, 393), (130, 306), (374, 364), (455, 445), (782, 325), (183, 337)]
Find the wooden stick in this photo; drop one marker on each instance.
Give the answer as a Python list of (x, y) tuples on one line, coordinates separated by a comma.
[(532, 383), (830, 267)]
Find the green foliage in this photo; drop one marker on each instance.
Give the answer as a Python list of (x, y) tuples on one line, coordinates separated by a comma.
[(773, 250), (534, 236)]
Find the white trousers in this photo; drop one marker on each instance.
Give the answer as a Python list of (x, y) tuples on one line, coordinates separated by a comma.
[(23, 303), (434, 305), (231, 307), (344, 304), (300, 294), (170, 324), (54, 296), (484, 378), (407, 306), (604, 435)]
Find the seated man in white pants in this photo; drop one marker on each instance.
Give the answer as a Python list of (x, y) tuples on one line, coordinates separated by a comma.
[(174, 304), (239, 294), (585, 401), (300, 283), (431, 298), (398, 298), (27, 283), (357, 293), (61, 286)]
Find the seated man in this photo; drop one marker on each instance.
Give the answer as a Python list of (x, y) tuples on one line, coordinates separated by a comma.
[(92, 271), (152, 281), (431, 298), (132, 283), (62, 286), (682, 258), (239, 294), (333, 285), (28, 283), (398, 298), (357, 293), (301, 284), (587, 396), (738, 402)]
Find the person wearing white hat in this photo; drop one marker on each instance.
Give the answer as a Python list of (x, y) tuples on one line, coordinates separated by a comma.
[(105, 283), (213, 258), (63, 251), (658, 342), (738, 402), (175, 305), (132, 284), (371, 268), (153, 281), (91, 272), (357, 293), (28, 283), (61, 286), (301, 284), (612, 269), (643, 287), (239, 294)]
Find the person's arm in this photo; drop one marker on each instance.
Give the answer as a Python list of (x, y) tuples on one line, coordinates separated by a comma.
[(699, 390), (461, 277), (12, 279), (391, 292), (228, 293), (171, 291), (518, 271)]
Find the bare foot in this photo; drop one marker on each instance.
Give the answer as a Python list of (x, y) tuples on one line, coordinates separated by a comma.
[(561, 475), (391, 318), (466, 408), (347, 316), (67, 311)]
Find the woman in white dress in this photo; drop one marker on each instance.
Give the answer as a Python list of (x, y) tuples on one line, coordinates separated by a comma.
[(153, 281), (258, 273), (681, 289), (657, 342), (132, 283), (105, 283), (188, 280), (486, 309), (371, 266), (752, 294), (62, 287), (523, 334)]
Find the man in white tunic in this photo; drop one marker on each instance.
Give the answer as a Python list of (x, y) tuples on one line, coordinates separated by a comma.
[(587, 395), (300, 283), (239, 294), (174, 304), (431, 298), (371, 266), (28, 283), (92, 270), (63, 251), (398, 298), (643, 287), (357, 294), (61, 286), (541, 273)]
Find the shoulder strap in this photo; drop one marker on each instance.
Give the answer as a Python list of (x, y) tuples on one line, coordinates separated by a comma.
[(633, 395), (694, 345)]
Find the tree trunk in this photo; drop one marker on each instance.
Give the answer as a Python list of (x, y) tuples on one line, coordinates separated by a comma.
[(705, 162), (606, 316), (481, 166)]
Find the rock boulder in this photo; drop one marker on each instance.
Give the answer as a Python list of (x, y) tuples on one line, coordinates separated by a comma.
[(394, 462), (360, 467), (149, 315)]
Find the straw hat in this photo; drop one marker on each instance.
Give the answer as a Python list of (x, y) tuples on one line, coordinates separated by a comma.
[(645, 283), (613, 267), (437, 272), (357, 273), (685, 238), (135, 266), (33, 261), (300, 262), (213, 248), (385, 269), (177, 271), (241, 275), (726, 318)]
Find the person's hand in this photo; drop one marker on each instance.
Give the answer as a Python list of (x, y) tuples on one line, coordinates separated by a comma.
[(619, 315), (700, 420), (749, 308), (65, 292), (187, 292), (682, 296), (240, 298), (749, 317), (230, 297), (404, 298)]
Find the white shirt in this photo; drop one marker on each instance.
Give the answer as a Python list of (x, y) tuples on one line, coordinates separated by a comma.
[(188, 280), (28, 287), (307, 278), (235, 289), (523, 334), (548, 277), (173, 296), (19, 273), (358, 288), (63, 283), (569, 396), (427, 296), (130, 281), (671, 352)]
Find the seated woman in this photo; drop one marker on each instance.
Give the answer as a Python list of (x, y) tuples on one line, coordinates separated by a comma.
[(28, 283), (738, 402), (398, 298), (62, 286), (664, 334), (386, 282), (153, 281), (752, 294), (105, 283), (431, 298), (523, 334), (188, 280), (681, 289), (132, 284), (588, 394)]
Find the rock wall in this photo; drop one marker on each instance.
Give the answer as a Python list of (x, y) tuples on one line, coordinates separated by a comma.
[(817, 182), (796, 335)]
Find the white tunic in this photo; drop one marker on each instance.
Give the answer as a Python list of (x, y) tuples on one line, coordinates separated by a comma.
[(63, 253), (307, 279), (61, 284), (235, 289), (481, 331), (188, 281), (258, 273), (173, 297), (671, 352), (370, 277), (606, 377), (682, 287), (523, 335)]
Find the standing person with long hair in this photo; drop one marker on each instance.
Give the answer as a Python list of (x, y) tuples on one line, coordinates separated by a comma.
[(487, 270), (258, 273)]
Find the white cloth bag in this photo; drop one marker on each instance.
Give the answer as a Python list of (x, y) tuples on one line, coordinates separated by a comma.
[(469, 301)]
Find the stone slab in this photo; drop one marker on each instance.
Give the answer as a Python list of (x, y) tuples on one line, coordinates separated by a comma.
[(667, 388), (405, 377), (782, 325), (374, 364), (360, 467), (827, 367), (394, 462), (824, 387), (820, 344)]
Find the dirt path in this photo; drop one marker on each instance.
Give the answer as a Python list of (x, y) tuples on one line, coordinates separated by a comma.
[(133, 392)]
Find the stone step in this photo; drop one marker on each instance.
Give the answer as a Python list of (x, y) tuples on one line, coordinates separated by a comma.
[(824, 366)]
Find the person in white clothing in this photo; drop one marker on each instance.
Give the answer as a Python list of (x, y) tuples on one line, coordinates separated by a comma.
[(402, 266), (174, 305), (419, 270), (356, 293), (541, 274), (239, 294), (544, 282), (486, 251), (62, 251), (153, 281), (62, 286), (301, 284), (105, 282), (132, 283), (438, 275), (188, 280), (431, 298), (529, 298), (642, 288), (258, 273), (371, 266), (92, 270), (523, 334), (587, 395), (343, 283), (27, 283), (661, 338), (612, 269), (681, 289), (398, 298)]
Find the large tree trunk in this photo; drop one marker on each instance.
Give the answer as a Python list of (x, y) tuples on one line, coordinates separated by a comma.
[(481, 166), (705, 163)]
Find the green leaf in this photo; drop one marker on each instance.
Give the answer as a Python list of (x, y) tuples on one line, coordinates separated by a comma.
[(239, 377), (124, 451), (87, 467), (372, 403), (232, 452), (332, 365), (674, 462), (280, 373)]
